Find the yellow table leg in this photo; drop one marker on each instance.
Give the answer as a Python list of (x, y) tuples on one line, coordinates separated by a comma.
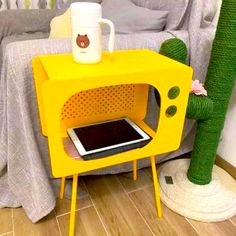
[(62, 189), (135, 170), (156, 186), (73, 205)]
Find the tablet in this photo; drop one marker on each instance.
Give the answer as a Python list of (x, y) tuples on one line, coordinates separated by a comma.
[(107, 135)]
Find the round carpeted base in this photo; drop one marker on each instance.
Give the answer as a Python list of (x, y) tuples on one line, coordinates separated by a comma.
[(209, 203)]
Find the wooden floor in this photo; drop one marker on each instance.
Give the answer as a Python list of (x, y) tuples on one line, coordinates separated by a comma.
[(112, 205)]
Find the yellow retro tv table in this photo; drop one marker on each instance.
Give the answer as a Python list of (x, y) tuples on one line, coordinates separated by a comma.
[(71, 94)]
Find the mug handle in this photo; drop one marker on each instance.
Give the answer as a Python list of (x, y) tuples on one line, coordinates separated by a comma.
[(112, 33)]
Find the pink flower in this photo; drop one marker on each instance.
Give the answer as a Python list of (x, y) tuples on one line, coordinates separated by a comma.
[(198, 89)]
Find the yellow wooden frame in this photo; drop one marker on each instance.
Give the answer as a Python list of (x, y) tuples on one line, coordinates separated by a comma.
[(58, 79)]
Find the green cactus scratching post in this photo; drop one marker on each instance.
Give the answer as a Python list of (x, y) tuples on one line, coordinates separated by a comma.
[(219, 84), (195, 196), (210, 111)]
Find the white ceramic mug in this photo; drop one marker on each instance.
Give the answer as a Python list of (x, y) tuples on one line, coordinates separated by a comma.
[(86, 20)]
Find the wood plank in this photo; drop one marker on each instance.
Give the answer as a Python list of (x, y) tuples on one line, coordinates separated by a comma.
[(178, 222), (126, 179), (45, 227), (144, 177), (5, 220), (82, 191), (226, 166), (233, 219), (225, 228), (171, 224), (7, 234), (63, 205), (115, 208), (87, 223)]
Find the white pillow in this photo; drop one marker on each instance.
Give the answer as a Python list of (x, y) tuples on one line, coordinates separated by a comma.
[(12, 4), (129, 18), (61, 26), (3, 5), (176, 9)]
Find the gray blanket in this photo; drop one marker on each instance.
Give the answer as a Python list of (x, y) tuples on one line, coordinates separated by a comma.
[(18, 25), (24, 166)]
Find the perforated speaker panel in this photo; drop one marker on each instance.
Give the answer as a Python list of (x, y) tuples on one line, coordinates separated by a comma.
[(95, 102)]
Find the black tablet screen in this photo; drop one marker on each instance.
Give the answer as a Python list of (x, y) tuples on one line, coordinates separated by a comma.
[(106, 134)]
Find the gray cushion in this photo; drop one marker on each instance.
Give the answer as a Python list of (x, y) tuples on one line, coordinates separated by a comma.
[(24, 21), (129, 18), (176, 9)]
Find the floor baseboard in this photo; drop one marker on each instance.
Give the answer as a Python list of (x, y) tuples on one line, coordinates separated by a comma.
[(226, 166)]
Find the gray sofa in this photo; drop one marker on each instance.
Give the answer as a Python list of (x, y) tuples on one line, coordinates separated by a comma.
[(25, 178)]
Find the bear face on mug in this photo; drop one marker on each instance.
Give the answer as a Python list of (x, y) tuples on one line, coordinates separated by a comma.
[(82, 41)]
